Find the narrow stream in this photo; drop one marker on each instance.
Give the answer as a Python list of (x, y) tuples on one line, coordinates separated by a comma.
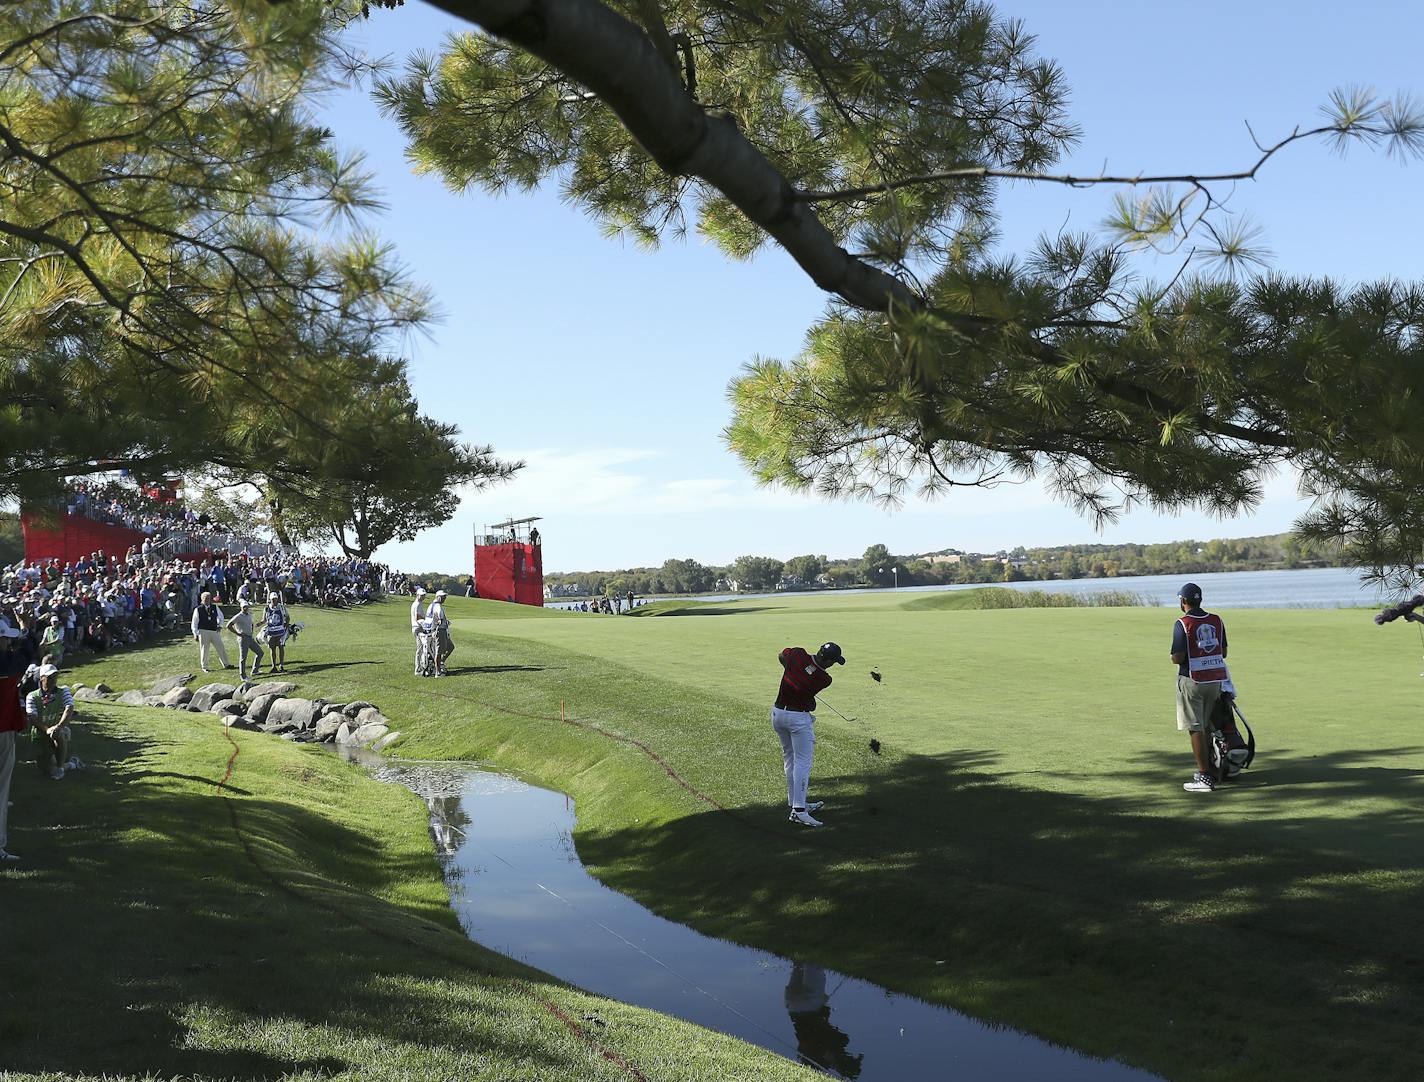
[(518, 886)]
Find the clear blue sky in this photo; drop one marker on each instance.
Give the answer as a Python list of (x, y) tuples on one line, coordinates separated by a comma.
[(605, 366)]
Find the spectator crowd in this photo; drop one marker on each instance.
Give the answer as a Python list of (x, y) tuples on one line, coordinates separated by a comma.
[(52, 609), (103, 602)]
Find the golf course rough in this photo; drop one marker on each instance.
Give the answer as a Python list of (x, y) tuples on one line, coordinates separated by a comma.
[(1032, 860), (292, 923)]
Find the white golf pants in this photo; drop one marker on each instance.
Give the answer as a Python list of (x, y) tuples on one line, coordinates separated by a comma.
[(796, 730), (208, 641)]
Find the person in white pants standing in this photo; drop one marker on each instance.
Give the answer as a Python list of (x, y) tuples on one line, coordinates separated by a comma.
[(417, 614), (207, 629), (793, 720)]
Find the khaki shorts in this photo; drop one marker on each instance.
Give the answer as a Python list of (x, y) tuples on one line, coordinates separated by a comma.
[(1195, 702)]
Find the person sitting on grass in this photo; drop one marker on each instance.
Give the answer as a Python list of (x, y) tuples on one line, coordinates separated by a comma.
[(49, 709)]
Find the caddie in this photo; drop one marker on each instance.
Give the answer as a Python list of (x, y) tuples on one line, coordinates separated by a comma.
[(1199, 652)]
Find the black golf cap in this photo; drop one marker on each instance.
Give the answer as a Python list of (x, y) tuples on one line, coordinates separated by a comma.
[(1190, 592), (829, 654)]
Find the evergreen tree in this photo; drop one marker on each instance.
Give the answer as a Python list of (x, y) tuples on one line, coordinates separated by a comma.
[(162, 304)]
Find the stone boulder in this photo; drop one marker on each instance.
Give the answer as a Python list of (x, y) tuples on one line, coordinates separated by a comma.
[(236, 721), (352, 709), (163, 687), (371, 716), (385, 741), (343, 733), (369, 734), (153, 700), (133, 698), (299, 713), (209, 695), (103, 688), (229, 706), (332, 708), (327, 727), (278, 688), (90, 695), (177, 696), (257, 708)]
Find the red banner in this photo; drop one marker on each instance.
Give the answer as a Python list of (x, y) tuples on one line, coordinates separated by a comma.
[(513, 572)]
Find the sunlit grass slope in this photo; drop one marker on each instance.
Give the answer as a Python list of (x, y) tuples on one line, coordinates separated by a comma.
[(1021, 848), (294, 925)]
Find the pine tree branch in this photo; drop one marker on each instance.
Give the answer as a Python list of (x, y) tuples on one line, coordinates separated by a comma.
[(613, 57), (980, 172)]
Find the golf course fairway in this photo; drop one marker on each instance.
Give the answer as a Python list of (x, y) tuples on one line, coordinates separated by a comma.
[(1020, 849)]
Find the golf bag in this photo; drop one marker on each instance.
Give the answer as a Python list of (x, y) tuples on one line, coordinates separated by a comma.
[(1230, 753)]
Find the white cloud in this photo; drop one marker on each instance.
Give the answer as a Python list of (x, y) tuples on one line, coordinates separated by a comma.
[(612, 481)]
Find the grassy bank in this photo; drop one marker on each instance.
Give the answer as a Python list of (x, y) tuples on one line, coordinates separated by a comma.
[(292, 925), (1021, 849)]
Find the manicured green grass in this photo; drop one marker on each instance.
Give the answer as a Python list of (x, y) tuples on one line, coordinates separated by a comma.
[(293, 925), (1022, 847)]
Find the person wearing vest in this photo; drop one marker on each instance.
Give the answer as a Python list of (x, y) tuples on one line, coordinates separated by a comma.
[(1199, 652), (275, 630), (207, 630), (803, 675)]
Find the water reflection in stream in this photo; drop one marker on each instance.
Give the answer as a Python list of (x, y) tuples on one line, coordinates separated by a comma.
[(518, 887)]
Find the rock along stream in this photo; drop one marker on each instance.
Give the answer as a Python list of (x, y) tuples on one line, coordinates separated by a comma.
[(518, 886)]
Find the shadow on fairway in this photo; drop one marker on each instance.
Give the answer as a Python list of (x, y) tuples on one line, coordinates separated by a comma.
[(461, 670), (1072, 914), (169, 953), (708, 610), (306, 667), (1295, 796)]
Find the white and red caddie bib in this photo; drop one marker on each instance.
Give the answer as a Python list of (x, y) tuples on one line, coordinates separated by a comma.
[(1206, 639)]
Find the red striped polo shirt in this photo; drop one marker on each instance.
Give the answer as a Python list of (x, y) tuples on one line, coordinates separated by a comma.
[(801, 678)]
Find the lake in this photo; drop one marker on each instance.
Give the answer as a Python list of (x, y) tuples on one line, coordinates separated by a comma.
[(1306, 588)]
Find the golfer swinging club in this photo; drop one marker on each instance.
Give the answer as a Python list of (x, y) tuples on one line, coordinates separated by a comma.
[(802, 676)]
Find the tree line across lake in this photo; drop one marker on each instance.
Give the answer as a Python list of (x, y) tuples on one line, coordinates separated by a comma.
[(879, 567)]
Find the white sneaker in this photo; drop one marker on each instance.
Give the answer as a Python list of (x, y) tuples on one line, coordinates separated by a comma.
[(56, 773), (7, 858), (804, 818), (815, 805)]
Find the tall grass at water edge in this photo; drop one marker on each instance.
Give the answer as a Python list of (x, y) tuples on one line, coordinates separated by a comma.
[(1000, 598)]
